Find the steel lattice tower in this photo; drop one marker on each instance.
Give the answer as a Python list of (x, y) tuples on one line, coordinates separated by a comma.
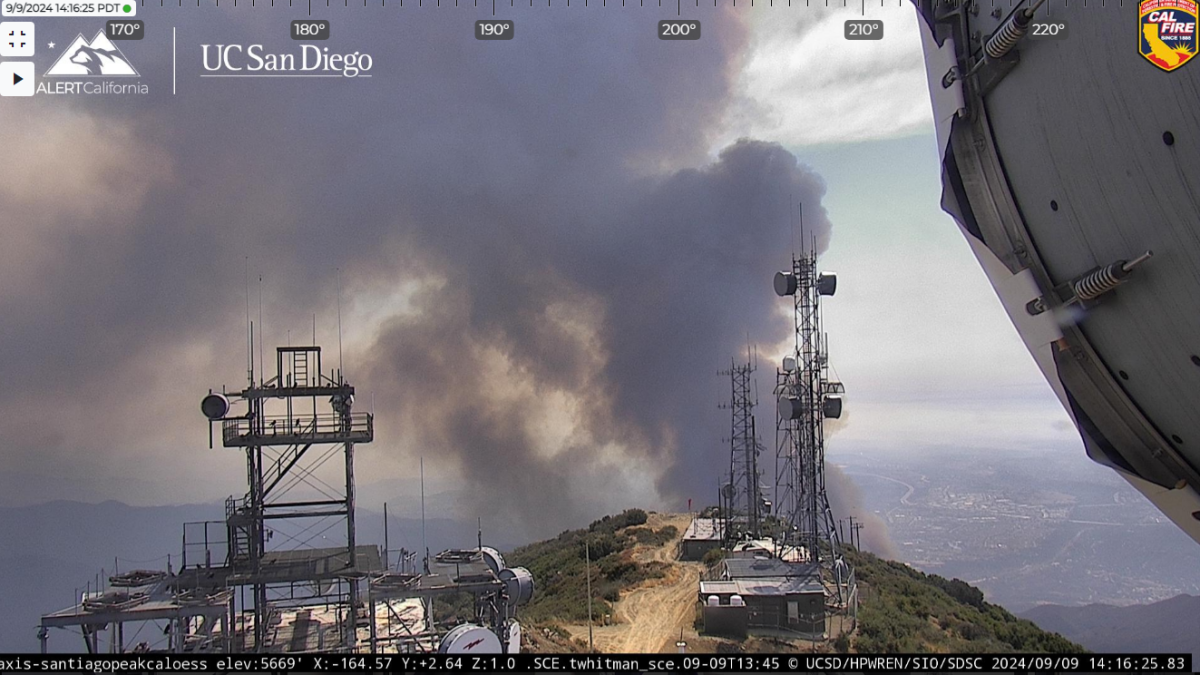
[(806, 398), (743, 506), (288, 434)]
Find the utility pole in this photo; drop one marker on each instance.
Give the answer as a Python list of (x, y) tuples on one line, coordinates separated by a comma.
[(587, 556), (424, 543)]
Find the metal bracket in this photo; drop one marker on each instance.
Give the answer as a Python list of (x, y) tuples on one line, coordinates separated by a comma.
[(994, 70)]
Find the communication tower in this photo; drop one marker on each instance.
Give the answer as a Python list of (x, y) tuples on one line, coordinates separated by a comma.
[(806, 398), (293, 425), (283, 572), (743, 505)]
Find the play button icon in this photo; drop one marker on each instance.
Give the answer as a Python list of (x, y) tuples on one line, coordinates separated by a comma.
[(16, 78)]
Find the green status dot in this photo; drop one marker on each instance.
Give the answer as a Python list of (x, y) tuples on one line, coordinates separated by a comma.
[(127, 9)]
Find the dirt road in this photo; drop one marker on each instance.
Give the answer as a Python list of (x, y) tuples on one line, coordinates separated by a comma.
[(648, 617)]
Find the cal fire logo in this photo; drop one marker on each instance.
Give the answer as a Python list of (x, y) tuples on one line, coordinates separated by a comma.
[(98, 58), (1167, 32)]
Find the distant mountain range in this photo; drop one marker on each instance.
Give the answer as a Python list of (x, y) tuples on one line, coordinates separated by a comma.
[(50, 552), (1171, 625)]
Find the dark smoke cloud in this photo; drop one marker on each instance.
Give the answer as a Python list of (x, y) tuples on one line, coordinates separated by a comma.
[(629, 314), (577, 267)]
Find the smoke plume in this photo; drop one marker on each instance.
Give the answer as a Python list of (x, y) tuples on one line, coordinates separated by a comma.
[(543, 263), (846, 501)]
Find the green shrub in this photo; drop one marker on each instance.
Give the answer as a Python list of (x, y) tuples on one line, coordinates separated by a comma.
[(908, 611), (842, 643), (645, 535), (627, 518), (713, 556), (559, 569), (599, 546)]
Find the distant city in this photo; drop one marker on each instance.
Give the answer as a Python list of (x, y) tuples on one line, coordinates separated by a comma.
[(1028, 527)]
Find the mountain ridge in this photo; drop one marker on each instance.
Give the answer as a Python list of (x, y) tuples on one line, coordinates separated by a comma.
[(636, 583), (1166, 626)]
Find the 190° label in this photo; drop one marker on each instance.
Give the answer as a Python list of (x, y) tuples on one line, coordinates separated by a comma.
[(495, 29)]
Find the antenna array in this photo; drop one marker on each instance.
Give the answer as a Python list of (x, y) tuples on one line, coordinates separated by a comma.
[(805, 399)]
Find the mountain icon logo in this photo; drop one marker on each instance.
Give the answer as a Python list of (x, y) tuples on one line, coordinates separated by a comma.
[(98, 58)]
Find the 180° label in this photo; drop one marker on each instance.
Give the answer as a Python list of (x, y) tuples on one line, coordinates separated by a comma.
[(309, 29)]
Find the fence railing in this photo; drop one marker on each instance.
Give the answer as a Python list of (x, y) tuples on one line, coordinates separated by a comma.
[(237, 430)]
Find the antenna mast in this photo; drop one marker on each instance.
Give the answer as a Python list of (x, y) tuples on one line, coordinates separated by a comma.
[(743, 499), (424, 544), (806, 398), (261, 364), (341, 364), (249, 330)]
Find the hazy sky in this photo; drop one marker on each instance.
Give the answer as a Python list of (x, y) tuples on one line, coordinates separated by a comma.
[(917, 334), (547, 254)]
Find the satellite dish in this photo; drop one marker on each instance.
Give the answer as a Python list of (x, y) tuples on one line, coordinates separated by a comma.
[(790, 408), (827, 283), (518, 585), (214, 406), (514, 638), (469, 639), (785, 283), (789, 364), (493, 559), (832, 408)]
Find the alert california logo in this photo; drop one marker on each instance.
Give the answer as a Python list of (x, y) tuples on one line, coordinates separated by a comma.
[(1167, 32)]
